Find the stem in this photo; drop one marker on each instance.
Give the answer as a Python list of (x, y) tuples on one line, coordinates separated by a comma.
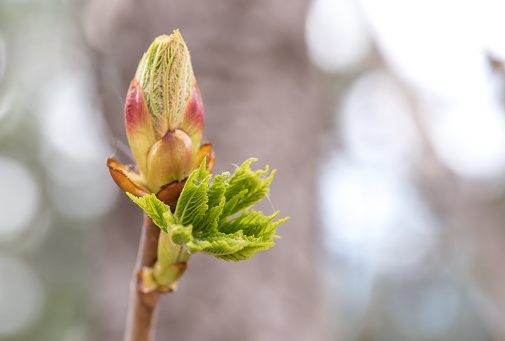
[(142, 306)]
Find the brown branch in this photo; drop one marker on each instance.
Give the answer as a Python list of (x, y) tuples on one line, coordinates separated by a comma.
[(142, 306)]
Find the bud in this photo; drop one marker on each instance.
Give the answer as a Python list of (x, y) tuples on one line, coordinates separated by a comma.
[(169, 159), (164, 120), (166, 77)]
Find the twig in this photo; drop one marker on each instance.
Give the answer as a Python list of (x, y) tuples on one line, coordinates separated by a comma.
[(142, 306)]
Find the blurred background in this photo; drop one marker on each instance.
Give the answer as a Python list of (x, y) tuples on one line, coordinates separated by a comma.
[(385, 120)]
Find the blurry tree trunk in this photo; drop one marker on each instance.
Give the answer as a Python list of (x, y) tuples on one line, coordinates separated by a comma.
[(260, 100)]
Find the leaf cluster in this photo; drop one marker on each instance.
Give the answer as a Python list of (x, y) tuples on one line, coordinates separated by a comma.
[(215, 217)]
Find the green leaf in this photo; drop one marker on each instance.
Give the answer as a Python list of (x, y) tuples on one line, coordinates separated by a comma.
[(192, 203), (251, 246), (230, 207), (224, 246), (252, 223), (154, 208), (180, 234), (171, 263), (202, 223), (245, 252), (217, 189), (218, 244), (254, 182), (211, 219), (167, 252)]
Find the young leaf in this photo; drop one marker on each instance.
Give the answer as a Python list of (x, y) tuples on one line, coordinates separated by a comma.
[(252, 223), (246, 252), (180, 234), (153, 207), (201, 220), (211, 219), (244, 178), (217, 189), (230, 207), (219, 244), (192, 203)]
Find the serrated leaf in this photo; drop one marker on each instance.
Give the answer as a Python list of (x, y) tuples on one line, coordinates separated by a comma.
[(224, 246), (217, 189), (154, 208), (201, 220), (197, 245), (170, 218), (192, 203), (245, 178), (245, 253), (251, 246), (211, 220), (221, 244), (252, 223), (231, 204)]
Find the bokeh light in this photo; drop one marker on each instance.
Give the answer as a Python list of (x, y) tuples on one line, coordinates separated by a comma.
[(71, 125), (75, 147), (469, 138), (420, 130), (436, 303), (19, 198), (336, 35), (375, 122), (396, 231), (53, 179), (21, 296)]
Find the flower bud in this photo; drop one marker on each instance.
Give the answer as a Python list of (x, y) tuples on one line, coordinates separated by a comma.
[(169, 159), (164, 119), (166, 77), (139, 128), (192, 122)]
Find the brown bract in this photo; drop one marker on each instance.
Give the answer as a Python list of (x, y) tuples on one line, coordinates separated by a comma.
[(130, 181)]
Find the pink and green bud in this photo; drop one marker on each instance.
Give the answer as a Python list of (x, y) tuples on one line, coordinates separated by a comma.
[(139, 128), (169, 159), (192, 122), (164, 115), (166, 77)]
